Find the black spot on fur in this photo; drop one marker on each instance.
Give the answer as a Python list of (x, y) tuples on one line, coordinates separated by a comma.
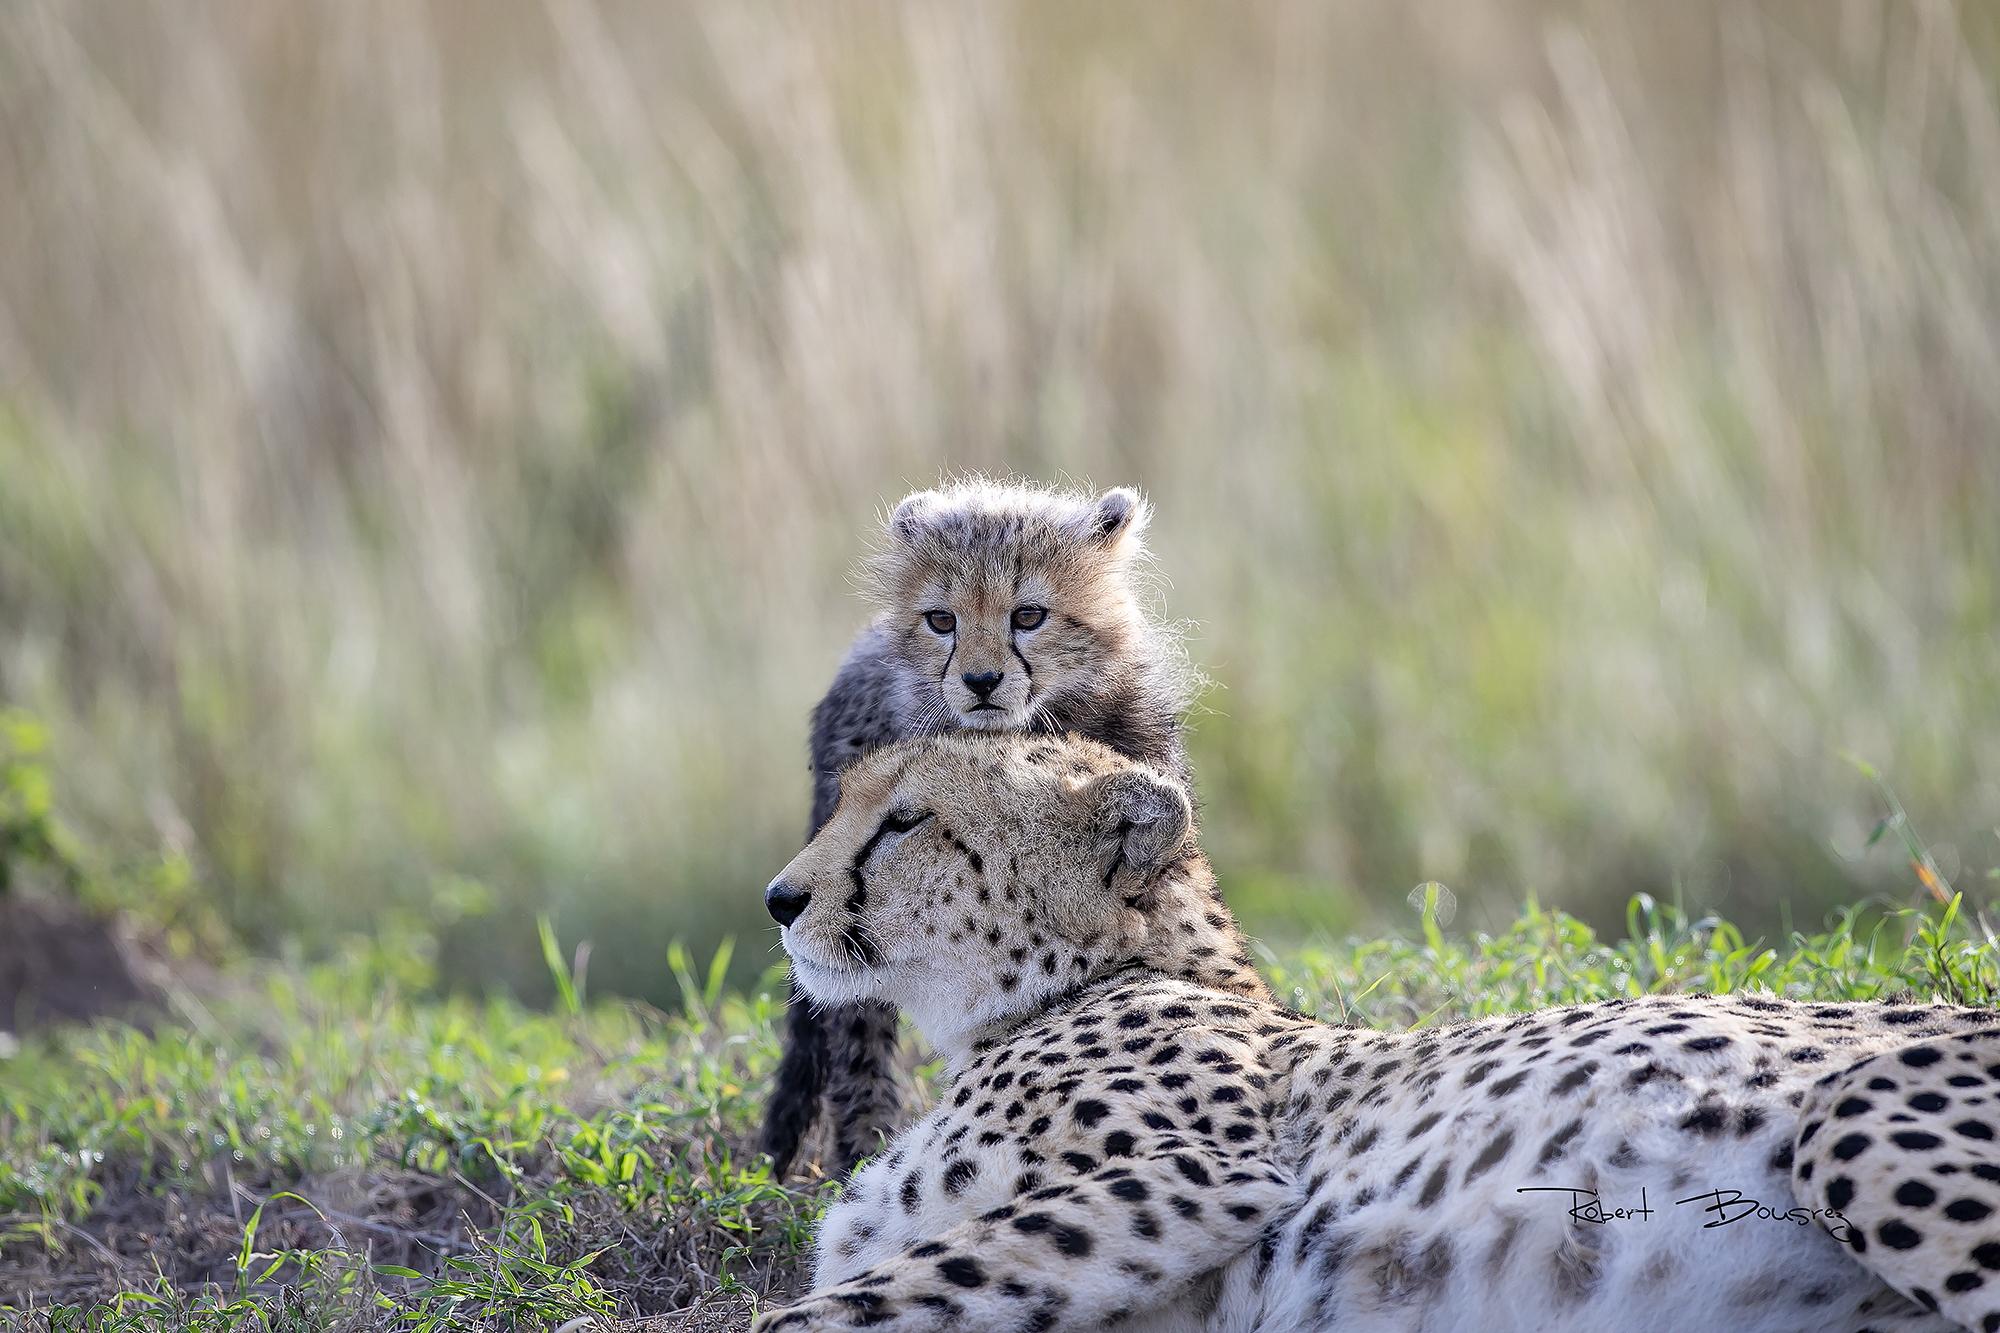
[(1192, 1169), (1490, 1156), (1434, 1185), (1558, 1143), (958, 1175), (1707, 1118), (1898, 1236), (961, 1271)]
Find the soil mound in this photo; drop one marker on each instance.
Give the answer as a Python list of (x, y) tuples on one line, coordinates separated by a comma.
[(60, 963)]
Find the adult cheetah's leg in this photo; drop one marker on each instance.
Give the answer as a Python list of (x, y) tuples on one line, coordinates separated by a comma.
[(795, 1093), (862, 1094), (1902, 1145), (1128, 1239)]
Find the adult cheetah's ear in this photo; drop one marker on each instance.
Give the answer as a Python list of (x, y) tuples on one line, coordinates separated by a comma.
[(912, 516), (1118, 514), (1142, 821)]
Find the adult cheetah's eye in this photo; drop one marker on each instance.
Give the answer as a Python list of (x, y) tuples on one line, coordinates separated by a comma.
[(894, 828), (1029, 617), (902, 821), (941, 622)]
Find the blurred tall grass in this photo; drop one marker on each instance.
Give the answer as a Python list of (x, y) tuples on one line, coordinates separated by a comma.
[(434, 438)]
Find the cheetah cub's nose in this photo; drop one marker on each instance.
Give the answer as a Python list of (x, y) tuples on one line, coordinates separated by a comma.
[(982, 683), (785, 902)]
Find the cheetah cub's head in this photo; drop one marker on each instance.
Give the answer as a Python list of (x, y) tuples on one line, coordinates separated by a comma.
[(969, 879), (1009, 607)]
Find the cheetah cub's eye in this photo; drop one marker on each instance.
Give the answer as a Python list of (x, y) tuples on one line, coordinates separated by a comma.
[(941, 622), (1030, 617)]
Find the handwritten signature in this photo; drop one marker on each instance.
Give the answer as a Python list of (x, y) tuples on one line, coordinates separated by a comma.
[(1726, 1206)]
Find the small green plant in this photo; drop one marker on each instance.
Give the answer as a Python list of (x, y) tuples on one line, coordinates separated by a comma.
[(30, 837), (568, 977)]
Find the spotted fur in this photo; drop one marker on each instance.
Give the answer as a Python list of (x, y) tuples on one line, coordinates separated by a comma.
[(977, 552), (1903, 1143), (1133, 1134)]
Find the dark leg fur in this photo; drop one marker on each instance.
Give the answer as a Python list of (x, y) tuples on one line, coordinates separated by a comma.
[(847, 1055), (862, 1095), (794, 1104)]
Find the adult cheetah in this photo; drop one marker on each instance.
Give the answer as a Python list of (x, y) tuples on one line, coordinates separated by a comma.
[(1134, 1134), (1000, 607)]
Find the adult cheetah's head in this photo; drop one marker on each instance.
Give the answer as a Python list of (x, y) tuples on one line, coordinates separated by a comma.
[(1009, 606), (969, 878)]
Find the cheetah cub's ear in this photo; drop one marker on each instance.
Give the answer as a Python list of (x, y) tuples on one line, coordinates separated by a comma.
[(912, 516), (1118, 514), (1142, 821)]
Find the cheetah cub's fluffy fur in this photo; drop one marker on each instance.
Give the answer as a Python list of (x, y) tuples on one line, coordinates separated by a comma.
[(999, 608), (1135, 1135)]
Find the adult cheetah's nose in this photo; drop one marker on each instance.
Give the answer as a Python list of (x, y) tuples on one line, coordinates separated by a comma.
[(982, 683), (785, 902)]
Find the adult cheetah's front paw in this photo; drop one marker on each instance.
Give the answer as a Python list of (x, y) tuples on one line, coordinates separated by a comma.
[(771, 1320), (810, 1314)]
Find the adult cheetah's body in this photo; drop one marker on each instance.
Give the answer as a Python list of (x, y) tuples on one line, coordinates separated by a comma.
[(1379, 1175), (1143, 1139)]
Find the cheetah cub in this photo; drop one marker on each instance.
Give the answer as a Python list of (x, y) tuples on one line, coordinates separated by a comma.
[(1134, 1134), (1000, 608)]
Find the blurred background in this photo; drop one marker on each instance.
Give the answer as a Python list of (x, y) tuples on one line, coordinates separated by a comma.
[(435, 440)]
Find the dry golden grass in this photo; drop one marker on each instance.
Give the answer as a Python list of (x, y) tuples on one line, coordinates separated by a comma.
[(434, 438)]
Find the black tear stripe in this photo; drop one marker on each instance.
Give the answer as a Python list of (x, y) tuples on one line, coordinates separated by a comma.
[(859, 945), (1015, 649)]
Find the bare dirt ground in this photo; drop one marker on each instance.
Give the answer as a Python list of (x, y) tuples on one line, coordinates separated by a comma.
[(60, 963)]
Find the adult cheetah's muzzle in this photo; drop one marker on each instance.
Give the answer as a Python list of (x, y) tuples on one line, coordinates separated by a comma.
[(784, 902)]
